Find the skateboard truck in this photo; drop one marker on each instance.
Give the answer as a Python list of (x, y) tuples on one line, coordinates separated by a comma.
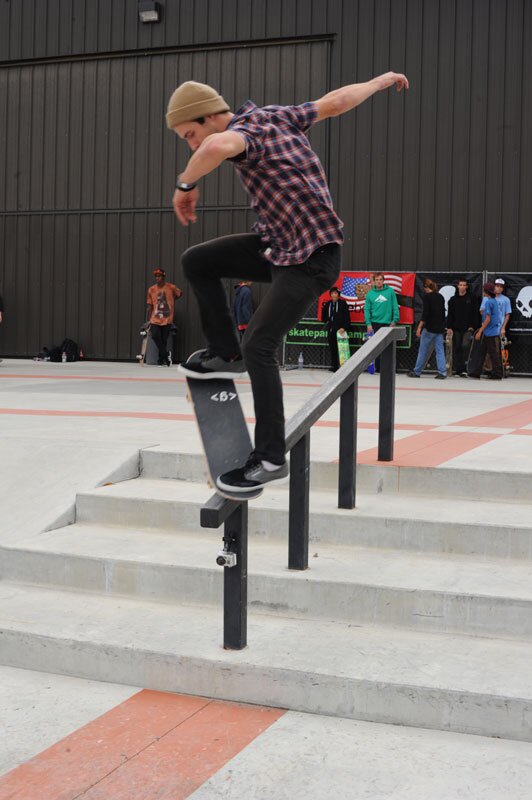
[(226, 557)]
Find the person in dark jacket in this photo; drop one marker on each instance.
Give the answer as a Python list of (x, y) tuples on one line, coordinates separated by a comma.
[(335, 315), (243, 307), (430, 331), (462, 316)]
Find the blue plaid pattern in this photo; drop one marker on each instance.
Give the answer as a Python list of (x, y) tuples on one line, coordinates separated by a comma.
[(286, 181), (349, 287)]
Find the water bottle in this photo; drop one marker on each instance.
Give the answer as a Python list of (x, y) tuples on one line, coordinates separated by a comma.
[(63, 357), (300, 362)]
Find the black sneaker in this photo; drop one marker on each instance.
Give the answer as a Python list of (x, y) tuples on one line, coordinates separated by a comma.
[(251, 476), (412, 374), (439, 377), (205, 366)]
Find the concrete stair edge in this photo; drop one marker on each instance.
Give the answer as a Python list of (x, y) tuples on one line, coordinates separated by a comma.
[(243, 676)]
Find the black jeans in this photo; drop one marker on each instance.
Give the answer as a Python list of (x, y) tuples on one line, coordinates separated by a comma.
[(491, 345), (332, 340), (159, 334), (459, 354), (292, 290)]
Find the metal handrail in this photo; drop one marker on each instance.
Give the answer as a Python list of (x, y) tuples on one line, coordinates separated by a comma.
[(233, 513)]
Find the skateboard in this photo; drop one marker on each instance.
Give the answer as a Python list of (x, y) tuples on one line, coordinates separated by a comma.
[(505, 344), (223, 429), (344, 351), (475, 360), (449, 352), (144, 333), (371, 367)]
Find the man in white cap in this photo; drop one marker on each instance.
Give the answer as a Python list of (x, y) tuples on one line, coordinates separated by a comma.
[(503, 304), (295, 244)]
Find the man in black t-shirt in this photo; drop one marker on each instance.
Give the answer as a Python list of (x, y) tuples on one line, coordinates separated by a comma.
[(430, 331)]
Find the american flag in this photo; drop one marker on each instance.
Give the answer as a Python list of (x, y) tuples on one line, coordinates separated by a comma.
[(349, 287), (395, 281)]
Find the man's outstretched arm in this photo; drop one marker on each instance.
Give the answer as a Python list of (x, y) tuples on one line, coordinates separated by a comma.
[(348, 97)]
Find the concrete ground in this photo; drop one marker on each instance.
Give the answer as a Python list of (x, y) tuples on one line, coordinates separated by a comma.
[(68, 427)]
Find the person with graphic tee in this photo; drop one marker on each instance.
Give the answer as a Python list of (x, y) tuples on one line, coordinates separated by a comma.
[(243, 307), (503, 304), (160, 300), (335, 315), (295, 244), (489, 334), (430, 331), (381, 308), (462, 316)]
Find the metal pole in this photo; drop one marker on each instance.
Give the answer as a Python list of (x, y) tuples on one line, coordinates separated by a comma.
[(236, 580), (298, 513), (387, 404), (347, 467)]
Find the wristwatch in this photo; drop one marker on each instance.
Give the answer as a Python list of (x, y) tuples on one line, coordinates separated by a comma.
[(184, 187)]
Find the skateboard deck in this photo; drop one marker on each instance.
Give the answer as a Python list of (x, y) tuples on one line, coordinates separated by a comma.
[(449, 352), (344, 351), (144, 333), (475, 360), (371, 367), (505, 344), (223, 429)]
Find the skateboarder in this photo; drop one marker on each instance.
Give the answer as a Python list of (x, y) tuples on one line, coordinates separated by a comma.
[(335, 315), (160, 301), (295, 244)]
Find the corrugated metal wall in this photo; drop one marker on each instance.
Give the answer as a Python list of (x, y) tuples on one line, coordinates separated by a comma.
[(438, 179)]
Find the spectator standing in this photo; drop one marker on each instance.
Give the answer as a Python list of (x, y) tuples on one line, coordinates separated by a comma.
[(381, 308), (462, 316), (160, 300), (430, 331), (503, 304), (489, 335), (243, 307), (335, 315)]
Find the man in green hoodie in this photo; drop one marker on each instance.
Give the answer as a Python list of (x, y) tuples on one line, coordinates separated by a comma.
[(381, 308)]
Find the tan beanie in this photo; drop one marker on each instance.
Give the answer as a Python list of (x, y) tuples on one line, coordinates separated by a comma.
[(192, 100)]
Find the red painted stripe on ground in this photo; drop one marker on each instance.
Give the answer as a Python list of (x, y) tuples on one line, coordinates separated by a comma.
[(429, 449), (154, 746), (50, 412), (513, 416)]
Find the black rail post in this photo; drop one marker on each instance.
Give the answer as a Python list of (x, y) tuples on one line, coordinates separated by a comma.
[(387, 404), (298, 513), (236, 580), (348, 447)]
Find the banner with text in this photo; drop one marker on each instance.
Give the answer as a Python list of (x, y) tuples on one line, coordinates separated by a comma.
[(354, 287)]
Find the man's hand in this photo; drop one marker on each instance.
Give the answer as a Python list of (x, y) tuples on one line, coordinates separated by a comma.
[(341, 330), (1, 317), (369, 329), (391, 78), (185, 205), (478, 336), (418, 332)]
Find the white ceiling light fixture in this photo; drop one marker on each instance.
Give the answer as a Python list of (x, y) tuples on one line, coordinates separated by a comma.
[(149, 11)]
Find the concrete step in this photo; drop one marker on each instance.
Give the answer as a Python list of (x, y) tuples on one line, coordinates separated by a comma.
[(459, 683), (446, 593), (162, 463), (394, 521)]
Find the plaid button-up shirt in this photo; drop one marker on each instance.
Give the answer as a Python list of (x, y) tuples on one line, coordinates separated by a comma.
[(286, 181)]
